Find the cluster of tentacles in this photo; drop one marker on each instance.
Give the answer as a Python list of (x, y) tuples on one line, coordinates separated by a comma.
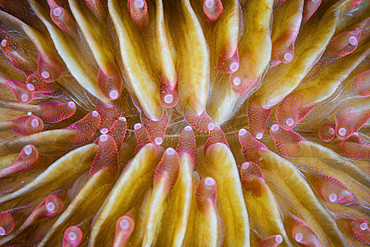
[(142, 123)]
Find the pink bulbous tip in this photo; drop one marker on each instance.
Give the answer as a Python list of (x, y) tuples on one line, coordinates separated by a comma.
[(24, 97), (104, 131), (363, 226), (95, 114), (57, 11), (209, 3), (245, 165), (103, 138), (50, 207), (27, 150), (168, 168), (352, 40), (2, 231), (342, 131), (187, 144), (298, 237), (137, 126), (124, 224), (327, 132), (333, 197), (113, 94), (274, 127), (45, 74), (289, 122), (209, 181), (71, 104), (123, 119), (30, 87), (242, 132), (168, 98), (205, 194), (236, 81), (211, 126), (259, 136), (278, 239), (3, 43), (288, 57), (139, 4), (139, 12), (234, 67), (158, 140), (170, 151), (72, 236), (35, 123), (216, 136)]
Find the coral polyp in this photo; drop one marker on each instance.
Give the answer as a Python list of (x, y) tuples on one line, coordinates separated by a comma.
[(184, 123)]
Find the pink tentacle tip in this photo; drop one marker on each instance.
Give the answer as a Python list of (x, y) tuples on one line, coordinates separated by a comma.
[(350, 120), (212, 9), (228, 62), (117, 131), (21, 92), (139, 12), (332, 190), (291, 111), (54, 112), (27, 160), (343, 44), (27, 125), (250, 145), (252, 177), (73, 237), (272, 241), (168, 168), (286, 141), (86, 128), (110, 83), (241, 83), (215, 136), (17, 56), (257, 118), (310, 8), (363, 83), (203, 122), (51, 206), (156, 129), (353, 147), (187, 144), (108, 113), (277, 3), (302, 233), (168, 93), (49, 71), (327, 132), (61, 17), (206, 194), (96, 8), (124, 227), (107, 155), (360, 230), (8, 222), (36, 84), (141, 136)]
